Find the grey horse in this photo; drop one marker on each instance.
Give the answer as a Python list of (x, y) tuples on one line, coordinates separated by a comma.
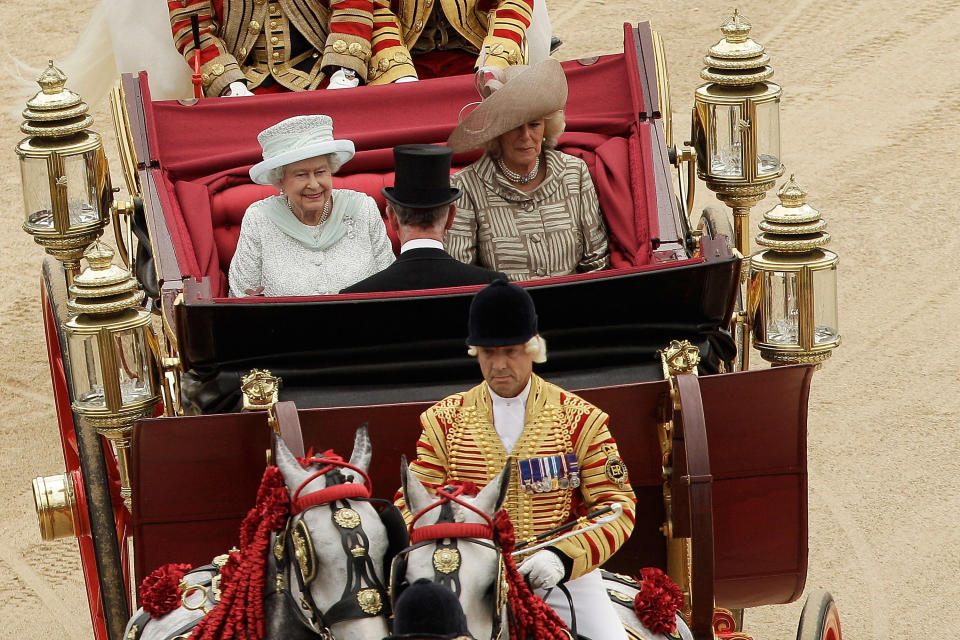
[(324, 578)]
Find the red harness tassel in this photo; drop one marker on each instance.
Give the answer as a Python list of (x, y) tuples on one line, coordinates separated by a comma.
[(240, 611), (658, 601), (530, 616)]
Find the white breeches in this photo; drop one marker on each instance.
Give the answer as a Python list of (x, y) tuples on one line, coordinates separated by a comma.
[(596, 617)]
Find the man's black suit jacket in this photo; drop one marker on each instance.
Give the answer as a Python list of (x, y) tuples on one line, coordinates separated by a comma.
[(425, 268)]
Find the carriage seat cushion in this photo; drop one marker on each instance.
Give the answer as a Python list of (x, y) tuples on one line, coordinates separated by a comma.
[(228, 206)]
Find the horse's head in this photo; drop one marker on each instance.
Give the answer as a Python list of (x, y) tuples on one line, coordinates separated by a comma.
[(452, 543), (335, 540)]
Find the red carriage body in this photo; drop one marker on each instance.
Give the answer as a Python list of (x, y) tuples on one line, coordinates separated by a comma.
[(194, 477)]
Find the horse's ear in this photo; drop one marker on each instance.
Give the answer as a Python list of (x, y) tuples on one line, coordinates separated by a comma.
[(491, 497), (362, 451), (293, 473), (415, 495)]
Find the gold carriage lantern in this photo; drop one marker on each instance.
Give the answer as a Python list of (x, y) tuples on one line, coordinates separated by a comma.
[(793, 283), (113, 366), (736, 124), (66, 183)]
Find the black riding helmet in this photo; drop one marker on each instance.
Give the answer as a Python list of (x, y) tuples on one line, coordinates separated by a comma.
[(428, 610)]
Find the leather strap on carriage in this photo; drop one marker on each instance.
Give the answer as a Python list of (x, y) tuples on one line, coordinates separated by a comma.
[(698, 483), (288, 424)]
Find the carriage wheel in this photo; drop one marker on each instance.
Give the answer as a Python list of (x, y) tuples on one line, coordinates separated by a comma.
[(715, 223), (820, 619)]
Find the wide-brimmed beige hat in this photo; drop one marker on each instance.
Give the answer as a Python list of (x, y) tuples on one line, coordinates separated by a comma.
[(516, 95), (296, 139)]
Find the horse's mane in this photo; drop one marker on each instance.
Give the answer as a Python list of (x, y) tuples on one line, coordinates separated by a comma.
[(240, 611)]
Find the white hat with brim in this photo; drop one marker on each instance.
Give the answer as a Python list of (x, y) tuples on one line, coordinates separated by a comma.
[(515, 96), (296, 139)]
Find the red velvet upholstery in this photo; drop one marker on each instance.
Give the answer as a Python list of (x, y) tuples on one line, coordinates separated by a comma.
[(204, 188)]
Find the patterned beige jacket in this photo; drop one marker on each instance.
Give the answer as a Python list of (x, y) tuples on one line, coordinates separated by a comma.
[(554, 230)]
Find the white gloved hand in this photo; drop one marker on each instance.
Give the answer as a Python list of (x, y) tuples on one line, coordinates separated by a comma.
[(236, 89), (406, 79), (543, 570), (343, 79)]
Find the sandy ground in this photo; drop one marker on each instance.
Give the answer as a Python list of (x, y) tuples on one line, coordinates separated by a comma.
[(868, 126)]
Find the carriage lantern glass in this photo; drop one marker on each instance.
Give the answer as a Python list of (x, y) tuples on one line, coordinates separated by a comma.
[(736, 123), (113, 366), (793, 283), (66, 183)]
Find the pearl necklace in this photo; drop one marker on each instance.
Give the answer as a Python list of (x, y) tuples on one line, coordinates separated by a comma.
[(513, 176), (323, 215)]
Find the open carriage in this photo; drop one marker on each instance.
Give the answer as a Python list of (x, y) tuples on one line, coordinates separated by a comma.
[(718, 461)]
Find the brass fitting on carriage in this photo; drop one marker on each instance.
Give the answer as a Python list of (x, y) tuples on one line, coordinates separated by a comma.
[(261, 390), (686, 155), (678, 358), (740, 325), (55, 499), (171, 386), (165, 355), (121, 214)]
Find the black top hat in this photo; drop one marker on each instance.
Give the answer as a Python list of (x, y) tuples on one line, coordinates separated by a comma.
[(422, 178), (428, 610), (501, 314)]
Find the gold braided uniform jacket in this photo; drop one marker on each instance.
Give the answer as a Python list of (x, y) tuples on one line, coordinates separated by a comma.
[(253, 40), (296, 43), (381, 53), (459, 442)]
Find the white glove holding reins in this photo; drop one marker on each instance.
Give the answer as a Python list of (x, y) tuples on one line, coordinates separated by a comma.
[(543, 570)]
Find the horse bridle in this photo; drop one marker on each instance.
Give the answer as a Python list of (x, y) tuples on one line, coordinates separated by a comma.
[(446, 534), (364, 595)]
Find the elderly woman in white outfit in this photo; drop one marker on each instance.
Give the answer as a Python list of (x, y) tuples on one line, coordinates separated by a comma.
[(311, 239)]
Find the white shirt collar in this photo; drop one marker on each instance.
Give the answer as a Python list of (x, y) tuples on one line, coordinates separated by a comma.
[(509, 416), (520, 397), (421, 243)]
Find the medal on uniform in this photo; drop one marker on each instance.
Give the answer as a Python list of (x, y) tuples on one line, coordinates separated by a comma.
[(545, 484), (537, 476), (574, 467), (564, 472), (549, 476), (615, 469), (554, 473), (526, 475)]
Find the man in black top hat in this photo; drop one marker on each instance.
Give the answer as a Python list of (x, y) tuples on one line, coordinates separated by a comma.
[(420, 208), (427, 610)]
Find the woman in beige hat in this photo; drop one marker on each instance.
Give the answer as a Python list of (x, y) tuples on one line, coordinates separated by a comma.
[(311, 239), (527, 209)]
